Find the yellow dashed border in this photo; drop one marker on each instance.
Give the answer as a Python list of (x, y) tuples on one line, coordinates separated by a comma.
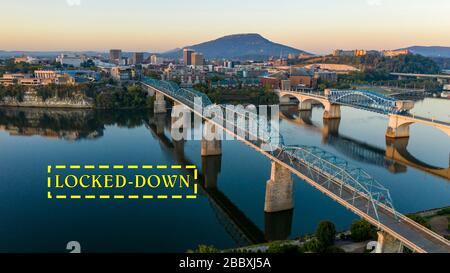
[(131, 197), (119, 167), (107, 167)]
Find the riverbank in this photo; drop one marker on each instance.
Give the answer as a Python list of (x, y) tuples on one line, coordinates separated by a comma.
[(32, 100), (436, 220), (82, 96)]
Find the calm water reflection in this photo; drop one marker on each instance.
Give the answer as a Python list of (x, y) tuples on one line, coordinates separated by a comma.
[(230, 210)]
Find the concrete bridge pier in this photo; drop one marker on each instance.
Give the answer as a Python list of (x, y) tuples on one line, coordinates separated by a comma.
[(285, 100), (160, 104), (211, 141), (330, 127), (180, 122), (388, 244), (160, 122), (178, 146), (278, 225), (279, 190), (211, 167), (305, 106), (396, 147), (397, 128), (332, 111), (305, 117)]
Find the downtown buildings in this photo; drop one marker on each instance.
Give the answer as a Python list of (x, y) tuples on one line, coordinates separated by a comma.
[(115, 56), (190, 57)]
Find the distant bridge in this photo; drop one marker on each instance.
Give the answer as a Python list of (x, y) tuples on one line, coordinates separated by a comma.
[(350, 186), (397, 110), (440, 77), (395, 157)]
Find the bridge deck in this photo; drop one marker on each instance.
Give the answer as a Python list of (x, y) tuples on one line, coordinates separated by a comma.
[(420, 119)]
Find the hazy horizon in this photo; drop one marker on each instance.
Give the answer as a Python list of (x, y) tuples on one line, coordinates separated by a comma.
[(138, 25)]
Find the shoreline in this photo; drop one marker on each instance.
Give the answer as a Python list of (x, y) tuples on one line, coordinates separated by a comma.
[(69, 107), (47, 106)]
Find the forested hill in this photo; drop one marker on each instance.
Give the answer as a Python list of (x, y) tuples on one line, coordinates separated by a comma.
[(401, 64)]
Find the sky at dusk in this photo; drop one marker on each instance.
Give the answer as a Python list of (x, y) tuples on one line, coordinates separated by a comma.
[(317, 26)]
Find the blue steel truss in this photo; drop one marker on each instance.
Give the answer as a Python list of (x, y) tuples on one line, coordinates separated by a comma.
[(349, 177), (367, 100), (335, 170), (186, 96)]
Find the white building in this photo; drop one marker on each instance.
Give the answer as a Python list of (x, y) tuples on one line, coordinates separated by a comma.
[(69, 60), (154, 59), (122, 73)]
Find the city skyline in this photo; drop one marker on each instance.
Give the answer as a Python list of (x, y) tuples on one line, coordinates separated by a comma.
[(319, 27)]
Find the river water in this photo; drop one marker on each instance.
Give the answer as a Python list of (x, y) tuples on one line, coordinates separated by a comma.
[(230, 210)]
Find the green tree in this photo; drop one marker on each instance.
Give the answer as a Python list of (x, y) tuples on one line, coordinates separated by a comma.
[(361, 230), (204, 249), (281, 247), (88, 64), (420, 220), (326, 233), (311, 246)]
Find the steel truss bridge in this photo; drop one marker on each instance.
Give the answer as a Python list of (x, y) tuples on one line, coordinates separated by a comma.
[(366, 100), (350, 186)]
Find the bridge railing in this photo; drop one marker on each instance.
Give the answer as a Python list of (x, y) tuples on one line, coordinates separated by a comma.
[(264, 130), (348, 176), (185, 95)]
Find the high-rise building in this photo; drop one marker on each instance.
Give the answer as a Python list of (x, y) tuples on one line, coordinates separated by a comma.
[(197, 59), (115, 56), (187, 56), (228, 64), (154, 59), (137, 58)]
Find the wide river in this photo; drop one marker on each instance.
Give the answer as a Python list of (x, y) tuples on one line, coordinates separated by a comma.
[(228, 213)]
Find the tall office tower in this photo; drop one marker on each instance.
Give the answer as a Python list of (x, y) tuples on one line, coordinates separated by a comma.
[(187, 56), (197, 59), (137, 58), (115, 56)]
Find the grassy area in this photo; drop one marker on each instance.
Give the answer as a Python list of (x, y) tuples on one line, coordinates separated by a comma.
[(436, 220), (325, 240)]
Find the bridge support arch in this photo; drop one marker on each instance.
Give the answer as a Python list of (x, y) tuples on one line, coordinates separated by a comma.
[(160, 104), (211, 141), (399, 125), (279, 190), (306, 101), (388, 244)]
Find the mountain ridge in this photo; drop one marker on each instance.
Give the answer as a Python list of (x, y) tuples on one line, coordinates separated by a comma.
[(430, 51), (238, 46)]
